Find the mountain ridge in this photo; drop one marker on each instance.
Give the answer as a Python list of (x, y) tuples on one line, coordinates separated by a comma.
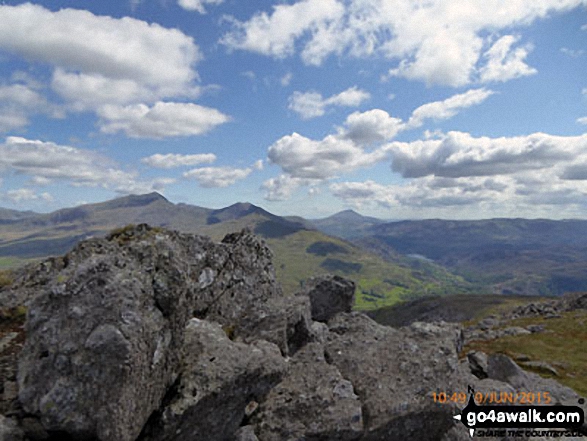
[(301, 251), (500, 255)]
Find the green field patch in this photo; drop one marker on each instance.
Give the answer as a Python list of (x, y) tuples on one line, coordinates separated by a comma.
[(323, 248), (337, 265), (562, 346), (11, 262)]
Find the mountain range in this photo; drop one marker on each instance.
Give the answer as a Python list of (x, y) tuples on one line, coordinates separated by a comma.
[(502, 256), (301, 249), (389, 260)]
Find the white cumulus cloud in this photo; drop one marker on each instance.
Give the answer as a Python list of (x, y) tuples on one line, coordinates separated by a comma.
[(437, 41), (442, 110), (362, 141), (276, 34), (301, 157), (47, 162), (82, 43), (18, 102), (198, 5), (504, 62), (124, 69), (26, 195), (313, 104), (213, 177), (375, 125), (459, 154), (160, 121), (281, 188)]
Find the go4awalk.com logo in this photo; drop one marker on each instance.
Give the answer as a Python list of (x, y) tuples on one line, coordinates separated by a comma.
[(512, 421)]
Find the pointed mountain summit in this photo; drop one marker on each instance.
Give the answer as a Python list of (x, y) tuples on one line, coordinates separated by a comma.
[(346, 224), (236, 211), (353, 216)]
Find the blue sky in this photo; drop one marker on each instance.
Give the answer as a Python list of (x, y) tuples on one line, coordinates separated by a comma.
[(396, 108)]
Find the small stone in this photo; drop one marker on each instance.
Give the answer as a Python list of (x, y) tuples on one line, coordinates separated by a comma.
[(246, 433), (535, 328), (541, 366), (514, 331), (344, 389), (251, 408), (478, 363), (552, 316), (521, 357)]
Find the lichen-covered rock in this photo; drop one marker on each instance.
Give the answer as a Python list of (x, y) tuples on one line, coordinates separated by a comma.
[(9, 430), (106, 328), (285, 321), (314, 401), (382, 363), (236, 279), (571, 302), (478, 363), (219, 379), (330, 295)]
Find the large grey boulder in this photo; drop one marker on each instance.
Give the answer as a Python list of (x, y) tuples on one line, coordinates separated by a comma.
[(238, 277), (329, 295), (220, 378), (394, 373), (314, 401), (571, 302), (105, 330), (285, 321)]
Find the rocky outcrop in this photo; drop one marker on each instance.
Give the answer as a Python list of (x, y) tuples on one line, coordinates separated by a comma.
[(314, 401), (380, 362), (151, 335), (329, 295), (218, 380), (114, 312)]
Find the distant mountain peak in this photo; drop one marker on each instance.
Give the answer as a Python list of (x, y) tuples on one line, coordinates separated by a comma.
[(347, 215), (350, 211), (137, 200), (240, 206), (153, 196), (235, 211)]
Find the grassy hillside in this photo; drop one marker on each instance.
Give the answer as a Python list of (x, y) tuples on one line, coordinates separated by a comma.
[(561, 345), (379, 283)]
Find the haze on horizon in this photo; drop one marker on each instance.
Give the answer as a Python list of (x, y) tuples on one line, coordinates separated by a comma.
[(394, 108)]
